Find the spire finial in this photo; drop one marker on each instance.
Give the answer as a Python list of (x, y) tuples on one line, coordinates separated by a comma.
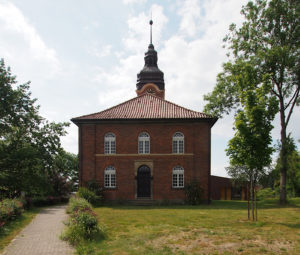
[(151, 22)]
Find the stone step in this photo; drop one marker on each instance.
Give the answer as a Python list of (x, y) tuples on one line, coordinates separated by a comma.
[(142, 202)]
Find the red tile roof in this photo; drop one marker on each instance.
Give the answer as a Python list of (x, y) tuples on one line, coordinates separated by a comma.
[(146, 106)]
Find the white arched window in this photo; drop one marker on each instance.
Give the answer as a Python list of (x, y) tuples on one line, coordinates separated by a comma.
[(178, 143), (144, 143), (178, 177), (109, 143), (110, 177)]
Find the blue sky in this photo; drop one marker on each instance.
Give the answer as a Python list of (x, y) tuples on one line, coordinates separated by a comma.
[(83, 56)]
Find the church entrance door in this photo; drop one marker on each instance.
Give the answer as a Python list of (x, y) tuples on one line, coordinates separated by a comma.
[(144, 182)]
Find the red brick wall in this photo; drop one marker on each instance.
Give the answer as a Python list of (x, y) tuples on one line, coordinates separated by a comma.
[(196, 141)]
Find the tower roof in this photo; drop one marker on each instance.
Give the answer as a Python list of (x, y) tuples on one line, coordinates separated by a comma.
[(150, 72)]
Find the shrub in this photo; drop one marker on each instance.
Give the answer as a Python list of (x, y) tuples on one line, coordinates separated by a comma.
[(193, 193), (87, 194), (83, 223), (266, 193), (94, 186), (78, 204), (10, 209), (87, 221)]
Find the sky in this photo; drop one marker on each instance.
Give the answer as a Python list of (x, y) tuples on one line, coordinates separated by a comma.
[(83, 56)]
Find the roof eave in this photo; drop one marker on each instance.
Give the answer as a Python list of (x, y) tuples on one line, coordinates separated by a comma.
[(76, 121)]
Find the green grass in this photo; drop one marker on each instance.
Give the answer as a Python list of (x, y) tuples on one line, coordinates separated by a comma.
[(12, 228), (219, 228)]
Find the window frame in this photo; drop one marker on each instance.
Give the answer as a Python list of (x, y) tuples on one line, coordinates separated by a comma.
[(178, 143), (110, 177), (110, 143), (144, 143), (178, 177)]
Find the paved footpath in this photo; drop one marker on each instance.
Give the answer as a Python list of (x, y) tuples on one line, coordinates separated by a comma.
[(41, 236)]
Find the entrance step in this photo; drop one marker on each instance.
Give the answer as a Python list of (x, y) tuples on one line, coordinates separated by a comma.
[(142, 202)]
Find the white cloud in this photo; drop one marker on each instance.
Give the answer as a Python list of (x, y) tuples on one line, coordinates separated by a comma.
[(20, 40), (99, 51), (139, 34), (69, 142), (189, 11), (121, 79), (134, 1), (191, 65)]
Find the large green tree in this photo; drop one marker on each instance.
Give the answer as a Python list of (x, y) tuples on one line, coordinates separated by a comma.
[(28, 143), (269, 40)]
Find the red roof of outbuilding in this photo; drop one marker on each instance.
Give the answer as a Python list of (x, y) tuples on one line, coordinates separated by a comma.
[(146, 106)]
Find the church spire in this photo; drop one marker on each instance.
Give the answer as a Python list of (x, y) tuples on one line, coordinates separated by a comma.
[(150, 74), (151, 22)]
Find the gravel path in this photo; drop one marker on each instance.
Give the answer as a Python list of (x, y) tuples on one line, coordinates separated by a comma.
[(41, 236)]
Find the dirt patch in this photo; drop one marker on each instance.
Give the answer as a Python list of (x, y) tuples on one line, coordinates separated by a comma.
[(197, 242)]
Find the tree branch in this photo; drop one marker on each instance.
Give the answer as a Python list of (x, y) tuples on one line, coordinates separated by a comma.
[(274, 92), (288, 104), (292, 107)]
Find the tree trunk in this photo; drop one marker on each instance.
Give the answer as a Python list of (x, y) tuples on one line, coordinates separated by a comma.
[(255, 203), (248, 198), (283, 156), (252, 199)]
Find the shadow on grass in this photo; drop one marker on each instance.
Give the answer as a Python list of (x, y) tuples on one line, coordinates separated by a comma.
[(215, 204), (291, 225)]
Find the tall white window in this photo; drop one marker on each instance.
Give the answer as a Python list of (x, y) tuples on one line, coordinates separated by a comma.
[(110, 177), (178, 143), (109, 143), (178, 177), (144, 143)]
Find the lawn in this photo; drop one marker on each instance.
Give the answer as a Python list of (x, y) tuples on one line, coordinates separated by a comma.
[(12, 228), (219, 228)]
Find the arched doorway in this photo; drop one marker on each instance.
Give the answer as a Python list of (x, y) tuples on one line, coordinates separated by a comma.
[(143, 181)]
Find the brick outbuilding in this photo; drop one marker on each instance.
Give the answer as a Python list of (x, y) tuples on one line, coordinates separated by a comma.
[(146, 147)]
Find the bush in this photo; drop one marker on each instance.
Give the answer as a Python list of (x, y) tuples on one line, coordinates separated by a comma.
[(78, 204), (83, 223), (87, 194), (10, 209), (94, 186), (266, 193), (193, 193)]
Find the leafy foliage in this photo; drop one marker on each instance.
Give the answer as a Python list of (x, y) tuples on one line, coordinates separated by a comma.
[(250, 149), (94, 186), (87, 194), (78, 204), (269, 41), (10, 209), (272, 179), (29, 144), (83, 223), (194, 193), (266, 193)]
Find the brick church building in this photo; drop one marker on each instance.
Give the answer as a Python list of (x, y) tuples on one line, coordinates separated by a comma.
[(146, 148)]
